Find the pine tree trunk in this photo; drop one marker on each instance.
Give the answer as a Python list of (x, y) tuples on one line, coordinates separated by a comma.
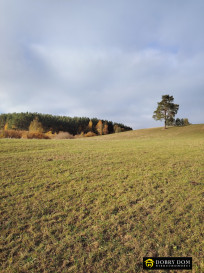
[(165, 121)]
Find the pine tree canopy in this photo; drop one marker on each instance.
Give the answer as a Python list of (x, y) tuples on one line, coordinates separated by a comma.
[(166, 110)]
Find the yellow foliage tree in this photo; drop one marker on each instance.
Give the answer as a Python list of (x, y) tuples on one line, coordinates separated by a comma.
[(90, 125), (6, 126), (117, 129), (36, 126)]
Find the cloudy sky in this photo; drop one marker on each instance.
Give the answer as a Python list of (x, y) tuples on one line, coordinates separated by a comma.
[(110, 59)]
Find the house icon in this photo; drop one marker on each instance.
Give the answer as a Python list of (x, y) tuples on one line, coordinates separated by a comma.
[(149, 263)]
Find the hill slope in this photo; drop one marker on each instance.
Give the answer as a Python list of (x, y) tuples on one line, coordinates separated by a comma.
[(101, 204), (159, 132)]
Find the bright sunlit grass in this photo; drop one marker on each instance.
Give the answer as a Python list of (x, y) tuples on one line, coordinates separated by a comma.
[(101, 204)]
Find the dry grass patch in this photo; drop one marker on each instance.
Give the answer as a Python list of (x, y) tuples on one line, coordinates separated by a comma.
[(63, 135)]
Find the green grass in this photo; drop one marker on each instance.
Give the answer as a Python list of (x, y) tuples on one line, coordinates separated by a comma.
[(100, 204)]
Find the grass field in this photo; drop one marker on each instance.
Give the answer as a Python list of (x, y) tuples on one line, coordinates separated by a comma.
[(100, 204)]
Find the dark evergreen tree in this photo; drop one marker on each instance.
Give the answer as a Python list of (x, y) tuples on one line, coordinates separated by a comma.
[(166, 110), (178, 122)]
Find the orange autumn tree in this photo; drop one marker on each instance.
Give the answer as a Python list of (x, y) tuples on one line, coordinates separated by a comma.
[(105, 129), (99, 127)]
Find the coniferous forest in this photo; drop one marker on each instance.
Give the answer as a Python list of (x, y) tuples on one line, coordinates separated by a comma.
[(55, 124)]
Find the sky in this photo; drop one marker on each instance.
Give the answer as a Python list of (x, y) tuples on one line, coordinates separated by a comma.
[(110, 59)]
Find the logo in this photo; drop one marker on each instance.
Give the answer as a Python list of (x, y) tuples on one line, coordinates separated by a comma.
[(149, 263), (158, 263)]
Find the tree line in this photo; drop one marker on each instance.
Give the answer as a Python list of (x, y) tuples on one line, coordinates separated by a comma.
[(50, 123)]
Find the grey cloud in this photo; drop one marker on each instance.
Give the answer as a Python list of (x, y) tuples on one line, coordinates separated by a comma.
[(108, 59)]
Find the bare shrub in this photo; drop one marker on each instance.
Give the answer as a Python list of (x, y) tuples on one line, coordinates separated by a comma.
[(1, 134), (50, 134), (36, 135), (11, 134), (63, 135), (90, 134), (24, 134), (78, 136)]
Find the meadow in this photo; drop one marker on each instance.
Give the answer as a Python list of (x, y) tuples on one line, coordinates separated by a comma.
[(101, 204)]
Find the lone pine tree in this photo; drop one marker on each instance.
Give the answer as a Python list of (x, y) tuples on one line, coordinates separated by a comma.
[(166, 110)]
